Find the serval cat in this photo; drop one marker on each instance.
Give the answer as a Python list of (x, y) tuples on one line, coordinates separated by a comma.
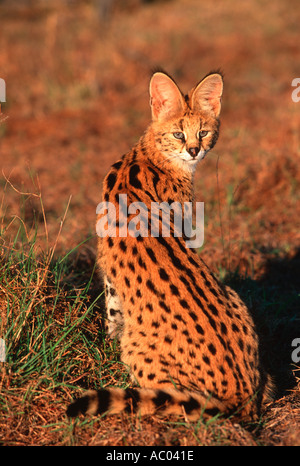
[(189, 341)]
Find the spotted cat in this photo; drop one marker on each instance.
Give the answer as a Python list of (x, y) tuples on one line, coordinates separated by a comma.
[(189, 341)]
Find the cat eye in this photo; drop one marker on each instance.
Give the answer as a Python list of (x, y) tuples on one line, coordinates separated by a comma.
[(203, 133), (179, 135)]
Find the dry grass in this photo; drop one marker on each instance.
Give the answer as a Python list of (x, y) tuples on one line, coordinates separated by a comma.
[(76, 100)]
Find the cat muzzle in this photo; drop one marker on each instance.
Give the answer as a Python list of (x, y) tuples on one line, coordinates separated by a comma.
[(193, 151)]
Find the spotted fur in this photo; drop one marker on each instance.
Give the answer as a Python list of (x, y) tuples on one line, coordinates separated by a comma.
[(189, 341)]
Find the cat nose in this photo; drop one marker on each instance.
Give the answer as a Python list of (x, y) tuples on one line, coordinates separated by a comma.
[(193, 151)]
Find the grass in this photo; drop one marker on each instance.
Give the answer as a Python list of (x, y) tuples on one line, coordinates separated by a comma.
[(52, 325)]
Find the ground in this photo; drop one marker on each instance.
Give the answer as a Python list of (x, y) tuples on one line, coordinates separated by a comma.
[(76, 100)]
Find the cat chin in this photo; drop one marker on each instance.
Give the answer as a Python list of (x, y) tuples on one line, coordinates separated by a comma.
[(186, 162)]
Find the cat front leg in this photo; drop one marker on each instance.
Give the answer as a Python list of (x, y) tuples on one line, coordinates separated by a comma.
[(115, 323)]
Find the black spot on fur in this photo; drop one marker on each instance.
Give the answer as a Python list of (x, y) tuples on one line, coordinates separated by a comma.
[(110, 181), (163, 274), (132, 398), (212, 349), (161, 399), (123, 245), (133, 178), (117, 165), (151, 254), (190, 405), (174, 290)]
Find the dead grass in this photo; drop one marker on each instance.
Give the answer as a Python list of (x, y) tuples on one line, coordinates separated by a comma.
[(76, 100)]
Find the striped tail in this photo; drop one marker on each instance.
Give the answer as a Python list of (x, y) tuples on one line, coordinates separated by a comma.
[(146, 401)]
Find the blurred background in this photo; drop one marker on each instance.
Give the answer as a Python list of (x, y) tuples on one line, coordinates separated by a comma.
[(77, 75)]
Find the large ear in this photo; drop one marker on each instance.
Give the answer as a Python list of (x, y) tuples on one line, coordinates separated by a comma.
[(166, 99), (207, 94)]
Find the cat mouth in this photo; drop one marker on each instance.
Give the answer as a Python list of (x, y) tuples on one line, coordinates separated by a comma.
[(200, 156)]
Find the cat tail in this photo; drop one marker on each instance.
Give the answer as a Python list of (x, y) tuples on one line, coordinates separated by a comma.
[(147, 401)]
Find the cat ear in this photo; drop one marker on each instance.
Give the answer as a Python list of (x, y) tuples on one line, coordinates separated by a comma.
[(166, 99), (207, 94)]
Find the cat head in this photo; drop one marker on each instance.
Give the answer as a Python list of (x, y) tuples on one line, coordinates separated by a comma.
[(185, 128)]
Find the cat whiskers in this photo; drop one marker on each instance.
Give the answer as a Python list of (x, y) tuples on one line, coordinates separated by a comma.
[(167, 159)]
